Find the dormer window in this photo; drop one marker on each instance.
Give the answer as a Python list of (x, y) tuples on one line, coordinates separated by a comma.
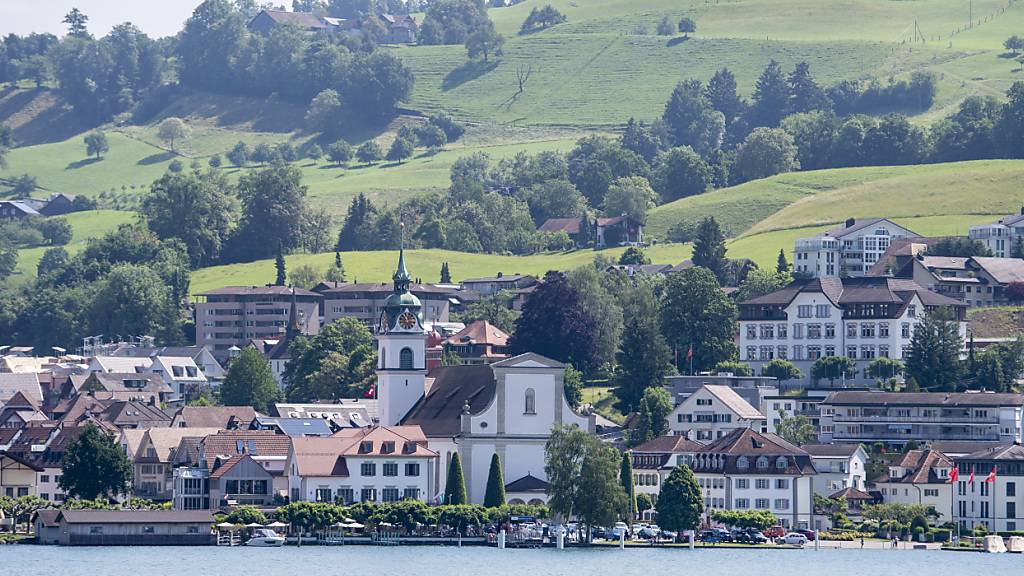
[(742, 463), (762, 463), (387, 447), (366, 446), (781, 463)]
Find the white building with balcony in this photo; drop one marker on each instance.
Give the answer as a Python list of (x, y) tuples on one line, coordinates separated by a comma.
[(998, 504), (849, 250), (860, 318), (838, 465), (1001, 235), (712, 412), (893, 418)]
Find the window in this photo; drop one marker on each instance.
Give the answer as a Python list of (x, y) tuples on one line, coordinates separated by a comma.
[(761, 483), (389, 494), (781, 331), (912, 311), (767, 353), (95, 529), (761, 503), (44, 478), (782, 504), (742, 483), (767, 331), (751, 352), (851, 352), (751, 331), (741, 503), (782, 483), (781, 353), (148, 530), (1011, 488), (798, 352), (804, 310), (822, 311), (412, 469), (830, 330), (814, 331), (883, 330), (345, 495), (867, 352), (905, 330), (193, 529), (530, 404), (883, 350), (411, 493), (798, 331), (390, 469), (781, 462), (368, 469), (323, 495), (1011, 509), (932, 492), (368, 495), (830, 350), (867, 330), (405, 359), (813, 352), (851, 330)]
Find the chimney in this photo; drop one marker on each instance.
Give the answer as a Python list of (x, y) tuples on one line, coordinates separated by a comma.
[(1022, 210), (850, 222), (500, 274)]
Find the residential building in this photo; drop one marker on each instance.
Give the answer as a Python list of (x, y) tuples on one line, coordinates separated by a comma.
[(182, 375), (399, 28), (380, 464), (16, 209), (58, 204), (860, 318), (1000, 236), (618, 231), (839, 466), (478, 343), (571, 227), (234, 467), (152, 460), (294, 427), (710, 413), (208, 365), (25, 383), (221, 417), (502, 282), (135, 528), (747, 470), (147, 388), (342, 413), (506, 408), (19, 411), (269, 20), (893, 418), (366, 301), (233, 315), (976, 281), (993, 500), (847, 250), (753, 389), (654, 460), (807, 404), (920, 477)]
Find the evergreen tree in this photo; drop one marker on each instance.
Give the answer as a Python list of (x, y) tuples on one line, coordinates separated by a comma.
[(586, 235), (644, 357), (336, 273), (357, 233), (628, 486), (279, 266), (1018, 248), (771, 97), (250, 382), (446, 275), (95, 466), (721, 94), (709, 248), (494, 496), (455, 487), (804, 93), (696, 315), (934, 356), (680, 503), (781, 264)]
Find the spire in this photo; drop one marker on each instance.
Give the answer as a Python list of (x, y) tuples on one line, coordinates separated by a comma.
[(293, 316), (401, 277)]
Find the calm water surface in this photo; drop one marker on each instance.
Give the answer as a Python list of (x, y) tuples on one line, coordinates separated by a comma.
[(403, 561)]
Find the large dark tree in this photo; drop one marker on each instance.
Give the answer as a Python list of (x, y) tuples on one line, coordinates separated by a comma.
[(722, 95), (696, 315), (338, 362), (196, 208), (771, 97), (804, 93), (273, 204), (934, 356), (95, 466), (250, 382), (709, 248), (644, 358), (356, 233)]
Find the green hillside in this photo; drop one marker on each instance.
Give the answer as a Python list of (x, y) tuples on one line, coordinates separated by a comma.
[(84, 225)]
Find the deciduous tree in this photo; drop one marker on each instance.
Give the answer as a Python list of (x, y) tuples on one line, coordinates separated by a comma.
[(95, 466), (680, 503)]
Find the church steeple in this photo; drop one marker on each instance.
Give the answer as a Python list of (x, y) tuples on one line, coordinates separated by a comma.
[(402, 309), (401, 277)]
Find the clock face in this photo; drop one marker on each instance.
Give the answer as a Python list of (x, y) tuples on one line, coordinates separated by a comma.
[(407, 320)]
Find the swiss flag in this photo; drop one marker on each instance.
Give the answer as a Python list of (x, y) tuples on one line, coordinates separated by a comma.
[(991, 478), (370, 392), (954, 475), (689, 352)]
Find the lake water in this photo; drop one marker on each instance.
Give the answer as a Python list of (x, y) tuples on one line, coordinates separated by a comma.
[(430, 561)]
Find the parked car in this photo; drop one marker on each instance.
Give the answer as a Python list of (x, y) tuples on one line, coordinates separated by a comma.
[(600, 533), (793, 539), (748, 536), (619, 529), (775, 532), (668, 535), (649, 532), (810, 534)]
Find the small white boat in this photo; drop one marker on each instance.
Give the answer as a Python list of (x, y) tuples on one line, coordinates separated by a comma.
[(265, 538)]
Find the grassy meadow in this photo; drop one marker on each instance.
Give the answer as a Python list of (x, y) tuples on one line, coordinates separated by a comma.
[(84, 225)]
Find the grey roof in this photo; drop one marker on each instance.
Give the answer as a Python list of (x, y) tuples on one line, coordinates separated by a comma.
[(955, 448), (951, 399), (26, 383), (858, 224), (726, 395), (137, 516), (439, 412), (258, 291), (1012, 452), (1003, 270), (503, 278), (382, 288), (295, 427), (528, 483), (866, 290), (830, 450), (22, 207)]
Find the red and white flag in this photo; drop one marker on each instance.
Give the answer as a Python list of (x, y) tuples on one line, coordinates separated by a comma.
[(954, 475), (991, 478), (371, 391), (689, 352), (971, 480)]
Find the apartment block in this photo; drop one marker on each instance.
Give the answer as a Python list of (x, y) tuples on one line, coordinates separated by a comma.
[(234, 315)]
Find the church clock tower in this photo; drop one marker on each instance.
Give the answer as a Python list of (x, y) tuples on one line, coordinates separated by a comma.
[(401, 350)]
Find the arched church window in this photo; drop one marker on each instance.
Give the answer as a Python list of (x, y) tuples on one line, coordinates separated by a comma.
[(405, 359), (530, 406)]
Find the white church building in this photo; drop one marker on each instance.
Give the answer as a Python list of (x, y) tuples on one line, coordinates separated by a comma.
[(507, 408)]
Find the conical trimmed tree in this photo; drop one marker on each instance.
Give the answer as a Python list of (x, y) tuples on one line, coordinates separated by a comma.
[(455, 487), (626, 478), (495, 494)]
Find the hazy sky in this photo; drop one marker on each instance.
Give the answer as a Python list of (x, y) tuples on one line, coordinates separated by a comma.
[(155, 17)]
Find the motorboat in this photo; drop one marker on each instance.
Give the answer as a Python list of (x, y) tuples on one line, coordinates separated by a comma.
[(265, 538)]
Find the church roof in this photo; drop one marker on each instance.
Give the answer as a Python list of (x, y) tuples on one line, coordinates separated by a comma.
[(528, 483), (439, 412)]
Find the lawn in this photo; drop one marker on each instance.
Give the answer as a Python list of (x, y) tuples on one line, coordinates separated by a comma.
[(426, 264), (84, 225)]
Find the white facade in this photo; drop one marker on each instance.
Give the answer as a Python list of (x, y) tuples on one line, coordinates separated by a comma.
[(406, 478), (836, 472), (790, 498), (850, 250), (401, 377), (999, 236), (712, 412), (998, 505)]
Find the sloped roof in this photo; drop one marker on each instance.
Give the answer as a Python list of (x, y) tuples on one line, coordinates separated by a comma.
[(567, 225), (296, 427), (229, 442), (945, 399), (325, 456), (852, 494), (123, 364), (528, 483), (1003, 270), (865, 290), (300, 19), (830, 450), (258, 291), (166, 440), (214, 416), (137, 516), (479, 332), (745, 441), (1010, 452), (669, 444), (858, 224), (439, 412), (26, 383), (726, 395), (132, 438)]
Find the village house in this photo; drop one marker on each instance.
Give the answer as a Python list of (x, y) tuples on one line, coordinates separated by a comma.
[(618, 231), (920, 477), (234, 467), (380, 464), (397, 28), (478, 343), (654, 460), (860, 318), (847, 250), (16, 210), (221, 417), (977, 281), (152, 460), (747, 470), (713, 411), (838, 466), (1000, 236)]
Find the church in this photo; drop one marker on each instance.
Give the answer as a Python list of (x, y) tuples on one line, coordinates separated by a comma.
[(507, 408)]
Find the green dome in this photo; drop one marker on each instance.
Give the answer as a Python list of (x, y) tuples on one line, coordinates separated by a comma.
[(401, 299)]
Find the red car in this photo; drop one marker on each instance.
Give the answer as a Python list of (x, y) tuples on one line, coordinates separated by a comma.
[(811, 535), (775, 532)]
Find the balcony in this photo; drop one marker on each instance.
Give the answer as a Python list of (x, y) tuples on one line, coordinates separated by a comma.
[(937, 420), (872, 436)]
